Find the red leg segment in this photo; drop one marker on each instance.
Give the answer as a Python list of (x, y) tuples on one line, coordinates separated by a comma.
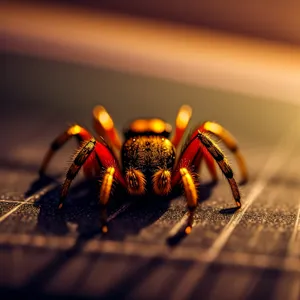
[(191, 155), (104, 126), (91, 154)]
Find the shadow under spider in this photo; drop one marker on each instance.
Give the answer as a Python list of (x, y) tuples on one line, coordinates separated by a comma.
[(41, 183), (82, 209)]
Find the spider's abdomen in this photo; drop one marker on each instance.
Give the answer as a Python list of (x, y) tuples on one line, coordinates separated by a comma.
[(148, 154)]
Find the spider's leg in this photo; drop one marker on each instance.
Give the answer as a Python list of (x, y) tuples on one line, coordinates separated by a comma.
[(105, 192), (73, 131), (197, 162), (182, 120), (202, 142), (219, 157), (99, 154), (229, 141), (104, 126), (204, 154), (191, 195), (210, 165), (91, 152), (83, 154)]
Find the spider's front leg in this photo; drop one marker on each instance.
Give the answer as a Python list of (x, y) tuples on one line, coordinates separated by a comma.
[(190, 189), (201, 144), (96, 157), (80, 133)]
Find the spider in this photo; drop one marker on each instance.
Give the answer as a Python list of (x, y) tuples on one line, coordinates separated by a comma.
[(146, 160)]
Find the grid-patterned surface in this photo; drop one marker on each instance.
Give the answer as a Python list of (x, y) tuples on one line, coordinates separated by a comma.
[(254, 254)]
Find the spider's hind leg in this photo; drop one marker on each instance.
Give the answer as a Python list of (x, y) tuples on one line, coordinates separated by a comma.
[(73, 131)]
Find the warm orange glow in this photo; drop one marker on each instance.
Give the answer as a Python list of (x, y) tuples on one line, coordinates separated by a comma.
[(182, 120), (106, 185), (157, 125), (153, 125), (188, 230), (74, 130), (139, 125), (184, 116), (104, 125), (215, 128), (104, 229), (103, 117), (189, 187), (106, 120)]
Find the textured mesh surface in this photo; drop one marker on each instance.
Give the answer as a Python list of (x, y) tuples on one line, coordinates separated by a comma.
[(251, 255)]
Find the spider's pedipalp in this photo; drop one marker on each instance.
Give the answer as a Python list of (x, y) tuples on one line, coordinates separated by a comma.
[(161, 181), (136, 181), (73, 131)]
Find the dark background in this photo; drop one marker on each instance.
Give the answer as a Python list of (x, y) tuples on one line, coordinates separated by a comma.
[(273, 20)]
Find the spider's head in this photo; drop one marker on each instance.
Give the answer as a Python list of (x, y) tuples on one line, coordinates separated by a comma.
[(148, 127), (148, 156)]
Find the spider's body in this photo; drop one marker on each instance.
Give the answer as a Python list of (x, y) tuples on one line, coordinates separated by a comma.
[(147, 150), (148, 160)]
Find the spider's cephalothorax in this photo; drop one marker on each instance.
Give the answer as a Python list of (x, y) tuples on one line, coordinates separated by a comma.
[(148, 156), (146, 160)]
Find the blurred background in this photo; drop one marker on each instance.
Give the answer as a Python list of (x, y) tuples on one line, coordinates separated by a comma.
[(145, 54), (234, 62), (260, 19), (247, 48)]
